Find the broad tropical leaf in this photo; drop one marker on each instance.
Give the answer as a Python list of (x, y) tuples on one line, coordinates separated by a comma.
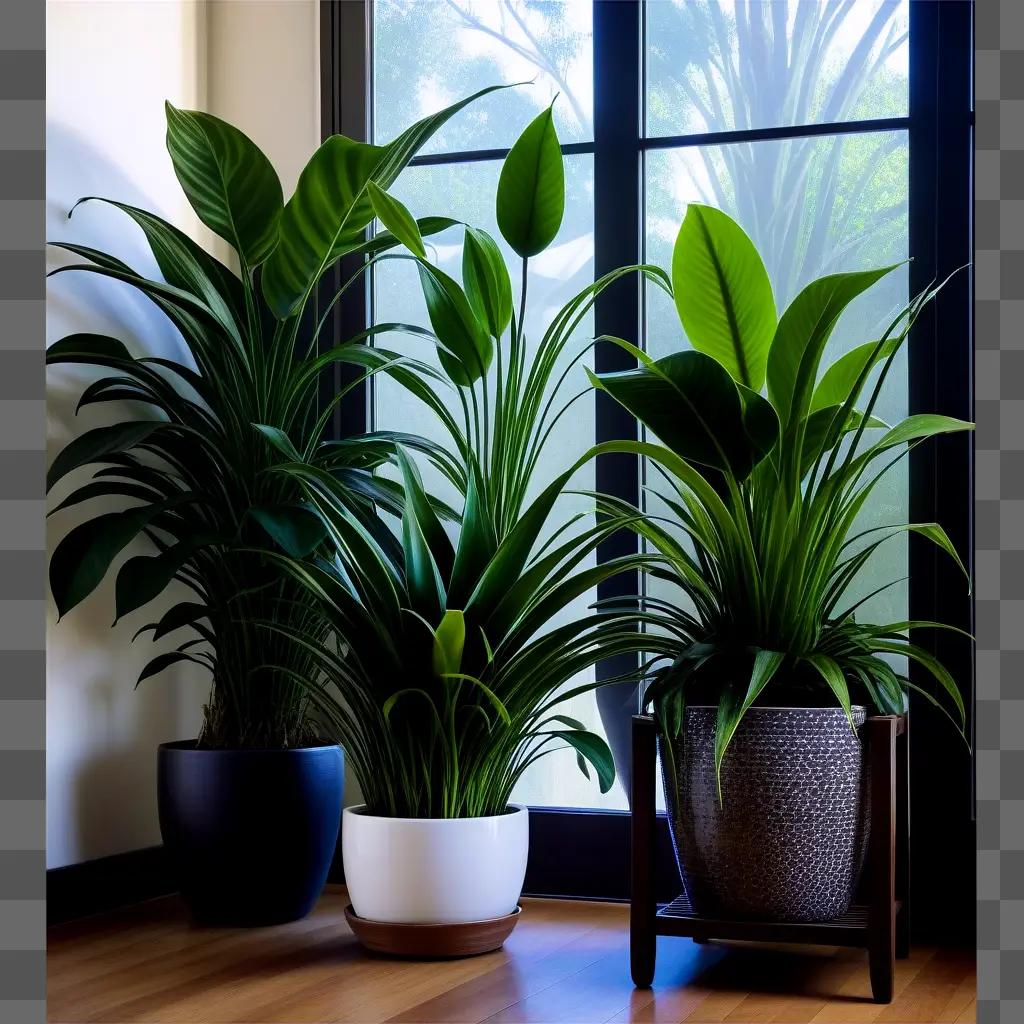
[(531, 189), (230, 183), (330, 209), (723, 294)]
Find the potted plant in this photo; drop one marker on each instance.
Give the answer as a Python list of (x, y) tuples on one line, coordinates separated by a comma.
[(449, 673), (249, 810), (771, 670)]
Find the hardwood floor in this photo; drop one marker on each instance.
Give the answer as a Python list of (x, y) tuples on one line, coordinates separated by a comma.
[(566, 963)]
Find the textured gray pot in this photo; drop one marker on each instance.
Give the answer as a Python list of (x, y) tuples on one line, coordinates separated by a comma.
[(788, 841)]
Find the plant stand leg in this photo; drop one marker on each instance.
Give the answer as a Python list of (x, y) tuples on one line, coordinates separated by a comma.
[(642, 937), (882, 857), (903, 845)]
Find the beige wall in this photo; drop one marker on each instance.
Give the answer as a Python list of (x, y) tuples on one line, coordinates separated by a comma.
[(110, 66)]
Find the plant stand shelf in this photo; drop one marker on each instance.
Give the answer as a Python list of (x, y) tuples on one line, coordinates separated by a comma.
[(880, 923)]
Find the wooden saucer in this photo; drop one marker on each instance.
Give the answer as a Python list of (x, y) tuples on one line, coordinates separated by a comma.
[(432, 941)]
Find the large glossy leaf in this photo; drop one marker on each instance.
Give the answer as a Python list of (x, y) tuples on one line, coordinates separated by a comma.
[(81, 559), (145, 577), (230, 183), (108, 489), (466, 347), (694, 407), (296, 529), (531, 189), (330, 209), (80, 348), (723, 294), (94, 444), (325, 217), (802, 333), (486, 280)]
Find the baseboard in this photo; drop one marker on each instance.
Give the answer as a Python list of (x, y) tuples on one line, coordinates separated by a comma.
[(96, 886), (108, 883)]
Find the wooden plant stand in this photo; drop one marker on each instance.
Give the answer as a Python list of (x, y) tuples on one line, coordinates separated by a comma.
[(880, 924)]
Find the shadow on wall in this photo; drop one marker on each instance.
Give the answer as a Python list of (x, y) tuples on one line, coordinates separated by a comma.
[(101, 735)]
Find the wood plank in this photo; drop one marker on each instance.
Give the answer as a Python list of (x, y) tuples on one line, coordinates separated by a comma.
[(566, 962)]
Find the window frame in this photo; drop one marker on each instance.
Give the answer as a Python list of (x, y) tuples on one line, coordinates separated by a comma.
[(584, 853)]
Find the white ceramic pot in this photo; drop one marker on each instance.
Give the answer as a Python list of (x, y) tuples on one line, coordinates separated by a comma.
[(434, 870)]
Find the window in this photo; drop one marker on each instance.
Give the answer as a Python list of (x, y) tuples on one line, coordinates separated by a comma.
[(817, 125)]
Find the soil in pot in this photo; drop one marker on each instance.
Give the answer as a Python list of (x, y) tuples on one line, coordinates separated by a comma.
[(250, 833), (787, 841)]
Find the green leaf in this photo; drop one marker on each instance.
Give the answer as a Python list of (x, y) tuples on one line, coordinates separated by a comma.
[(93, 445), (81, 559), (280, 440), (830, 671), (694, 407), (145, 577), (466, 348), (107, 489), (531, 189), (486, 279), (477, 540), (723, 294), (75, 348), (230, 183), (187, 265), (801, 336), (384, 240), (824, 428), (422, 576), (838, 381), (165, 661), (417, 503), (396, 218), (449, 641), (922, 425), (296, 529), (178, 616), (330, 209), (595, 750), (732, 706)]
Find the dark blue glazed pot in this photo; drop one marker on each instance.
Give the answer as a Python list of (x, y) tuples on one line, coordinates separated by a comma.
[(249, 833)]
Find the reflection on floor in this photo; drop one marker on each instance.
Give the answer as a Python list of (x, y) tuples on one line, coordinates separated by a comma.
[(565, 962)]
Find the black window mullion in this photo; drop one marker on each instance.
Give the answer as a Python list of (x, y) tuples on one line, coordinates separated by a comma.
[(940, 369), (617, 233), (346, 44)]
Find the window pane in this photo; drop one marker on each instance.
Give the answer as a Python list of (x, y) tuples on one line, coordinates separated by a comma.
[(430, 53), (555, 276), (720, 65)]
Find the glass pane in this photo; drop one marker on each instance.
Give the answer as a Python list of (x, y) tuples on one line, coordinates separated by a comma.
[(430, 53), (812, 207), (721, 65), (555, 276)]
